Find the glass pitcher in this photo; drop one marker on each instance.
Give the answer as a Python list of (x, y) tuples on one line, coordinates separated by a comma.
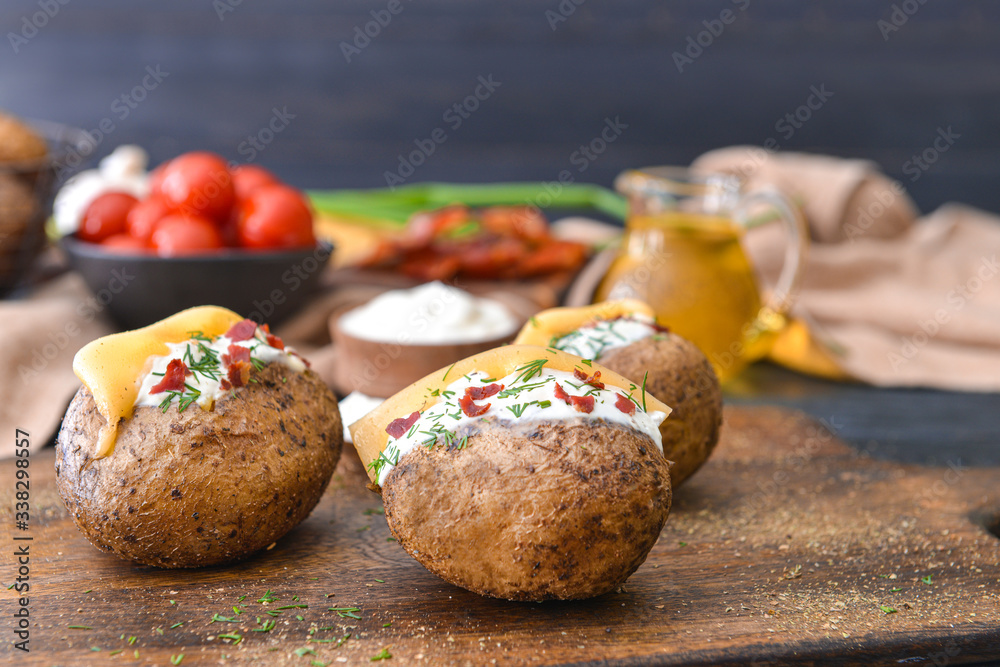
[(682, 253)]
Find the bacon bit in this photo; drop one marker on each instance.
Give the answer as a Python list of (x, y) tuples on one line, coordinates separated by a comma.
[(239, 373), (624, 404), (561, 393), (274, 341), (583, 403), (592, 380), (242, 330), (236, 354), (471, 409), (659, 328), (173, 379), (479, 393), (397, 428), (225, 384)]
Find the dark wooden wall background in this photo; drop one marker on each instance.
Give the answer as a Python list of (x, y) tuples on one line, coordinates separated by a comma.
[(608, 59)]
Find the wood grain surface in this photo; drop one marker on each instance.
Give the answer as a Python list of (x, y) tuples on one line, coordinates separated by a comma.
[(787, 548)]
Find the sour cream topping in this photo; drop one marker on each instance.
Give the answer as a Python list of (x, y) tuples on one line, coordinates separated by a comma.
[(433, 313), (122, 171), (593, 340), (523, 399), (211, 369)]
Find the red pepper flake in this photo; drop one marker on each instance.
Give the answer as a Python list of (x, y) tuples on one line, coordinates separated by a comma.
[(583, 403), (236, 354), (173, 378), (244, 330), (479, 393), (624, 404), (592, 380), (561, 393), (471, 409), (239, 373), (397, 428), (225, 384)]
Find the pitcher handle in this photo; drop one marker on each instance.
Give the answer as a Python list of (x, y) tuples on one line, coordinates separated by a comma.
[(772, 315)]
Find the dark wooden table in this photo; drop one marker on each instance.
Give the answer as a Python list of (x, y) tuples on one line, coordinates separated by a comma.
[(787, 548)]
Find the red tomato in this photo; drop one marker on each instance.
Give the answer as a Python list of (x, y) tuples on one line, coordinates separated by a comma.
[(106, 216), (185, 235), (249, 177), (198, 184), (143, 217), (276, 216), (125, 244), (156, 179)]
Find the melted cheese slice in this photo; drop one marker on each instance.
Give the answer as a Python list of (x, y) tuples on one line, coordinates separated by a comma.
[(548, 324), (112, 367), (369, 434)]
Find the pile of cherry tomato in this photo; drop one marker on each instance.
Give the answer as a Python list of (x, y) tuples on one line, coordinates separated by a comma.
[(197, 205)]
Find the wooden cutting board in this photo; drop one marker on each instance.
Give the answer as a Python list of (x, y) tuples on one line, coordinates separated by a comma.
[(787, 548)]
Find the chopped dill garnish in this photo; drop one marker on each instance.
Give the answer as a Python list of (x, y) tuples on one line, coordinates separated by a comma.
[(530, 370), (644, 378)]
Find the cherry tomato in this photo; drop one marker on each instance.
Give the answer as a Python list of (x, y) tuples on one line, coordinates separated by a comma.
[(198, 184), (106, 216), (125, 244), (276, 216), (143, 217), (179, 234), (249, 177)]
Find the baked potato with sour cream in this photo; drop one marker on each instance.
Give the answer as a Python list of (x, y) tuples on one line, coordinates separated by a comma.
[(672, 368), (521, 473), (196, 486), (551, 510)]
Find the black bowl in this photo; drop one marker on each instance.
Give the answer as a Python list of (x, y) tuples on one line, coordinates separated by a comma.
[(139, 289)]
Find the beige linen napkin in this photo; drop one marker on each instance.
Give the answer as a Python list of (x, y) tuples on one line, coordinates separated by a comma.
[(41, 335), (885, 298)]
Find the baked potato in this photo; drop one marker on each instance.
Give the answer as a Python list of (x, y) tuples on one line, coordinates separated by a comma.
[(623, 336), (521, 473), (187, 481)]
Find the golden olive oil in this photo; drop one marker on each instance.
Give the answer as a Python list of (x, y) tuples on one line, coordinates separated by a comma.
[(692, 270)]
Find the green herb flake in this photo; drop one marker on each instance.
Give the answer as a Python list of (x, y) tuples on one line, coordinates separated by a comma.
[(895, 590), (448, 371), (887, 609), (85, 592), (176, 659), (80, 627), (347, 612), (293, 606), (381, 581), (927, 580), (269, 596), (305, 650), (381, 655), (232, 636), (177, 625)]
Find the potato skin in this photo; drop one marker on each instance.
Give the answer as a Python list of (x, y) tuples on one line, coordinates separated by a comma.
[(556, 510), (195, 488), (682, 377)]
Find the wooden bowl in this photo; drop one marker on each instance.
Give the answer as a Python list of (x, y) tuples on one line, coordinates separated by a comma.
[(380, 369)]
